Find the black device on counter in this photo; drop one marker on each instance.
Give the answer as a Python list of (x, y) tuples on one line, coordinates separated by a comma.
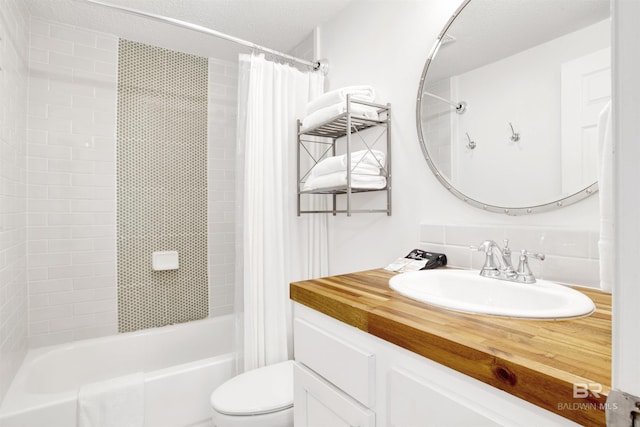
[(434, 260)]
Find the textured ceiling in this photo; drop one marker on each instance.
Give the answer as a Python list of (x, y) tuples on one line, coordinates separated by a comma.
[(277, 24)]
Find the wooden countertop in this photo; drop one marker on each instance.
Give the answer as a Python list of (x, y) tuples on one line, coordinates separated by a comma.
[(536, 360)]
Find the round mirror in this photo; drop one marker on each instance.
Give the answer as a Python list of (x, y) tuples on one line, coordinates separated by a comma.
[(510, 101)]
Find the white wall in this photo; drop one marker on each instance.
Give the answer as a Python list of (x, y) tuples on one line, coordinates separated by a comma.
[(385, 44), (14, 38), (71, 162)]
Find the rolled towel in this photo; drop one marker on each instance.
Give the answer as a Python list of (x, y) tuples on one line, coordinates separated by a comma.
[(339, 96), (339, 179), (363, 162), (327, 113)]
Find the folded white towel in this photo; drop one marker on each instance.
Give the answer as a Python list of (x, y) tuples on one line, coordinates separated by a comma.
[(339, 96), (363, 162), (327, 113), (339, 179), (117, 402)]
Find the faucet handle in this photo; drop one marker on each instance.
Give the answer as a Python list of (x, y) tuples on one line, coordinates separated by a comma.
[(524, 272), (541, 257)]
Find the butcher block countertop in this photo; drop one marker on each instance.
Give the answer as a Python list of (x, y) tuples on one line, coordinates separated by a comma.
[(536, 360)]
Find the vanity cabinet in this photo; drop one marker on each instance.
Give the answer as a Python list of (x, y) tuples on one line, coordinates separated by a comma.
[(345, 376)]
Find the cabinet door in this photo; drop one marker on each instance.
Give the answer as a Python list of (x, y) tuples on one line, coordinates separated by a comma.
[(319, 404), (414, 402)]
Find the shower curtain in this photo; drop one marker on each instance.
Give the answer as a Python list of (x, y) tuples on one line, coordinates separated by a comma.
[(274, 245)]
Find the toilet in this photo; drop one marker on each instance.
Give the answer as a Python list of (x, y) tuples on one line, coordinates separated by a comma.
[(262, 397)]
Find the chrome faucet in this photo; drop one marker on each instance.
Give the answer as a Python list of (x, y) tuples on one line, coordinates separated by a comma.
[(497, 263)]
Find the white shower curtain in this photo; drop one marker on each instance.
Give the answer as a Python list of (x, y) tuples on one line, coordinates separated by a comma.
[(274, 245)]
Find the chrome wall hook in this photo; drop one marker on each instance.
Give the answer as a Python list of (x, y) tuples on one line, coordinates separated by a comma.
[(471, 144), (514, 136)]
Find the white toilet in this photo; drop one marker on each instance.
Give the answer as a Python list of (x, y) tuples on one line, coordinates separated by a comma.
[(259, 398)]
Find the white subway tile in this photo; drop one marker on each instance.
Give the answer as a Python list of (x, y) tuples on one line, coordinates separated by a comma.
[(38, 301), (107, 43), (48, 151), (37, 246), (69, 89), (35, 274), (69, 139), (67, 113), (95, 282), (107, 105), (94, 306), (46, 43), (93, 205), (100, 155), (104, 244), (38, 55), (49, 286), (96, 331), (48, 313), (72, 166), (39, 27), (49, 259), (86, 193), (50, 339), (70, 272), (37, 328), (79, 296), (82, 232), (35, 205), (40, 233), (104, 269), (94, 54), (70, 245), (71, 323), (58, 125), (71, 61), (37, 136), (110, 69), (94, 257), (463, 235), (49, 178), (72, 34), (94, 181)]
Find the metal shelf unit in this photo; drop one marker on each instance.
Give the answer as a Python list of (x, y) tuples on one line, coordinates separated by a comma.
[(339, 129)]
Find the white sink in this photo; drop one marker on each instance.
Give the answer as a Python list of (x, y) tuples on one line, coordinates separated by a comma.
[(467, 291)]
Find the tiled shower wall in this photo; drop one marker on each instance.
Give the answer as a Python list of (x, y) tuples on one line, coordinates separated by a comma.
[(14, 39), (161, 185), (71, 162), (223, 106)]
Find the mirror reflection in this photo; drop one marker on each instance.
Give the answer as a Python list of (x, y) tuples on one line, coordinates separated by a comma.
[(509, 108)]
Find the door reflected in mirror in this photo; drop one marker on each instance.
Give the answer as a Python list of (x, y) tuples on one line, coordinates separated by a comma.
[(509, 107)]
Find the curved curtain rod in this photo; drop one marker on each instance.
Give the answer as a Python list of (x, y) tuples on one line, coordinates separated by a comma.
[(315, 65)]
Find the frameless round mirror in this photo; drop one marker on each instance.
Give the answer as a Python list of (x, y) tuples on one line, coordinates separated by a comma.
[(510, 99)]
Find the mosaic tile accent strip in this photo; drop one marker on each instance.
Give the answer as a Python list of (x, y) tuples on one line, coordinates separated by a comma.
[(161, 185)]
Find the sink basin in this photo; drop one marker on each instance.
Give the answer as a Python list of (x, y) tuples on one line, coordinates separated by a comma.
[(467, 291)]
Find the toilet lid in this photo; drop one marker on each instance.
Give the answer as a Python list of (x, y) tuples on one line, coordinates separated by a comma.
[(260, 391)]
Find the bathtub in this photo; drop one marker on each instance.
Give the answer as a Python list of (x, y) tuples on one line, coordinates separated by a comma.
[(182, 365)]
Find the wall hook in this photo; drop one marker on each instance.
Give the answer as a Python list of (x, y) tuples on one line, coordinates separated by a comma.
[(514, 136), (471, 144)]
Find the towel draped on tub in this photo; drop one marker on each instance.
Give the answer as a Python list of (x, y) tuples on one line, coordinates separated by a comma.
[(116, 402)]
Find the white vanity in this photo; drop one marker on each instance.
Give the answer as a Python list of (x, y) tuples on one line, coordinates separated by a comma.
[(348, 377)]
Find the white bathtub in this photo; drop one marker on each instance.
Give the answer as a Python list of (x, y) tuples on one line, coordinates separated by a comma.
[(182, 363)]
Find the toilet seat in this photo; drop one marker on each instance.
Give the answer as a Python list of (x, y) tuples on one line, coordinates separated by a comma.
[(256, 392)]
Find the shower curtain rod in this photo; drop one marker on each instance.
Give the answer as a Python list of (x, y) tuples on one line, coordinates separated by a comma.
[(320, 65)]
